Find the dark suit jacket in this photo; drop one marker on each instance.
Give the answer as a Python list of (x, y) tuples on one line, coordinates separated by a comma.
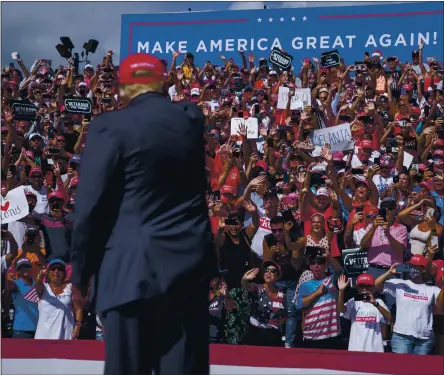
[(141, 217)]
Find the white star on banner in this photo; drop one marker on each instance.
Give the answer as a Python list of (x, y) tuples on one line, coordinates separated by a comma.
[(270, 20), (304, 18), (282, 19), (293, 19), (259, 20)]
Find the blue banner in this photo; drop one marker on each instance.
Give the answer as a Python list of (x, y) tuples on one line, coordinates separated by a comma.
[(394, 30)]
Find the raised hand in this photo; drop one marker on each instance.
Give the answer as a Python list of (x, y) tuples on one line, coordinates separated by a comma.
[(251, 274), (242, 130), (343, 282), (326, 153), (249, 206)]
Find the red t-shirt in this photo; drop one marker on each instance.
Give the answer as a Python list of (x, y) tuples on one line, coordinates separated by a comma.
[(306, 215)]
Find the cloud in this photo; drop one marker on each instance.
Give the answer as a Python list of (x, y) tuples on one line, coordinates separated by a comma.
[(245, 5), (33, 28)]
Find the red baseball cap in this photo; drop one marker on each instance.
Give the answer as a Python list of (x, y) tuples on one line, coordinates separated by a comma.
[(74, 181), (438, 153), (153, 68), (418, 260), (35, 170), (439, 142), (56, 194), (365, 279), (228, 189), (366, 143), (262, 164)]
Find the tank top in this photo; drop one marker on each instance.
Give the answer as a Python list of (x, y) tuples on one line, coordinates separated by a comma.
[(323, 243), (418, 241)]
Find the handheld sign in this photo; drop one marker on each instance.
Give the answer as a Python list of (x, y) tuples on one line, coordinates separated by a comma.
[(281, 59), (24, 110), (14, 206), (355, 261), (338, 137), (77, 105), (300, 99), (330, 59), (251, 126)]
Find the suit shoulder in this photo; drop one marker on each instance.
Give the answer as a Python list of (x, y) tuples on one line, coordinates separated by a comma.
[(191, 109)]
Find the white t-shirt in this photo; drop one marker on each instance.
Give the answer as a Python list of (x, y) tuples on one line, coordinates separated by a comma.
[(365, 333), (56, 315), (356, 162), (42, 199), (414, 307)]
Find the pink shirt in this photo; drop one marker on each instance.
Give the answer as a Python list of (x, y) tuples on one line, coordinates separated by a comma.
[(380, 251)]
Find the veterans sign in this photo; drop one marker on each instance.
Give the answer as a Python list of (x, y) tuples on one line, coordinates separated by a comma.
[(355, 261), (394, 29)]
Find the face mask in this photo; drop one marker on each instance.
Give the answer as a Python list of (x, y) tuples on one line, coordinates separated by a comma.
[(414, 273)]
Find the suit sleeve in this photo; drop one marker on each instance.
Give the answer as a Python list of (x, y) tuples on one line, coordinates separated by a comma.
[(96, 190)]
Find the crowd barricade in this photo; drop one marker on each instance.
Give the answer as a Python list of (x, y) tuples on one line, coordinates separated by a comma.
[(50, 357)]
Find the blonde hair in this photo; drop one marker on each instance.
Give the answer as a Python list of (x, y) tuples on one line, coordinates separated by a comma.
[(130, 91)]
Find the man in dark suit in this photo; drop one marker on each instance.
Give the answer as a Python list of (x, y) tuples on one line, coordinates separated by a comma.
[(142, 231)]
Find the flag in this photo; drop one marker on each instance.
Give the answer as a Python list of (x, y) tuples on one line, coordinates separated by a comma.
[(31, 296)]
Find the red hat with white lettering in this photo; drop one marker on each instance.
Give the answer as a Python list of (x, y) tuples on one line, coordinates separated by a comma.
[(55, 195), (228, 189), (141, 68), (418, 260), (365, 279)]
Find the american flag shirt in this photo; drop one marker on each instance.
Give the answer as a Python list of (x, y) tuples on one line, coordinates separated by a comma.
[(321, 320)]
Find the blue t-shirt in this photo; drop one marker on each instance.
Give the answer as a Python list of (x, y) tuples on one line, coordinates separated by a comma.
[(26, 313), (440, 204)]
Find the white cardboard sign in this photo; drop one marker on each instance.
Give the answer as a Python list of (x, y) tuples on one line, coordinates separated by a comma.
[(14, 206), (300, 99), (251, 125)]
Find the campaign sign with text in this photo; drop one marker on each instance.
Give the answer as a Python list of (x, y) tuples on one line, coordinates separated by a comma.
[(75, 105), (355, 261), (330, 59), (251, 126), (300, 99), (23, 110), (394, 29), (281, 59), (14, 206), (338, 137)]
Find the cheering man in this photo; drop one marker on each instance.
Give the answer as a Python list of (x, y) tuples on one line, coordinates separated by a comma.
[(142, 231)]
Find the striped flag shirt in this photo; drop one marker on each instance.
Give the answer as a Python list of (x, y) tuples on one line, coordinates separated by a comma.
[(321, 320)]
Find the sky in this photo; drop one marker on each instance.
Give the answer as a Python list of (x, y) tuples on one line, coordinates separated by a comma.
[(33, 28)]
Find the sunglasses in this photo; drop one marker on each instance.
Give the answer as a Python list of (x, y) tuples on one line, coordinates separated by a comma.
[(58, 268), (36, 176), (271, 270), (318, 262)]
